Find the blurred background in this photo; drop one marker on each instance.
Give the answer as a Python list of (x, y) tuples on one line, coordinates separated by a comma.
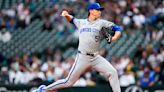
[(38, 46)]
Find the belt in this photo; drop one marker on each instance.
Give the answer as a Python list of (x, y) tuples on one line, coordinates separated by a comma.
[(89, 54)]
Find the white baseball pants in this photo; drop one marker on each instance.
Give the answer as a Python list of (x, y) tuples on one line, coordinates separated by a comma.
[(83, 62)]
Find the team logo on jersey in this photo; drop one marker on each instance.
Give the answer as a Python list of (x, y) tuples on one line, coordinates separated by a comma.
[(89, 30)]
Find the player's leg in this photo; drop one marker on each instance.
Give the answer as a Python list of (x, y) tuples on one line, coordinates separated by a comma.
[(103, 66), (80, 65)]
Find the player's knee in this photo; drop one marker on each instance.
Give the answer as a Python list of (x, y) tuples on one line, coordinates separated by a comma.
[(113, 72)]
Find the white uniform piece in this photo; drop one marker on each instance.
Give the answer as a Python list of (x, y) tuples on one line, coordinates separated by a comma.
[(89, 34), (89, 46)]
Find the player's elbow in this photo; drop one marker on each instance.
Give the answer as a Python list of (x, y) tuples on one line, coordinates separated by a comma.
[(116, 36), (113, 73)]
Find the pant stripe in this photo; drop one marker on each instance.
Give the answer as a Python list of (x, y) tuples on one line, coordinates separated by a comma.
[(71, 71)]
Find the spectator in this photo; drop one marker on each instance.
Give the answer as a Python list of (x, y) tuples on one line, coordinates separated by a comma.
[(14, 68), (24, 15), (127, 19), (2, 24), (36, 76), (127, 78), (47, 26), (157, 34), (152, 59), (4, 76), (21, 76), (121, 64), (138, 18), (89, 81), (11, 24), (50, 72), (58, 70), (143, 60), (148, 77), (5, 36), (11, 12)]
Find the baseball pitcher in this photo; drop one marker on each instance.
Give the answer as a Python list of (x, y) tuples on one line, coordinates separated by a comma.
[(90, 32)]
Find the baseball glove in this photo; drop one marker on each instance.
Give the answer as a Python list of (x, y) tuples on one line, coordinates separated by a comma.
[(107, 33)]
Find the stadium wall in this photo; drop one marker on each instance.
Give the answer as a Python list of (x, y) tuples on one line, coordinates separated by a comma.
[(100, 88)]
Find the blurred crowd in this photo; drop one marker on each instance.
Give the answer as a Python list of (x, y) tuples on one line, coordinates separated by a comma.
[(16, 16), (145, 69)]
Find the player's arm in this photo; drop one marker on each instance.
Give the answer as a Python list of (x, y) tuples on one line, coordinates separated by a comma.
[(71, 19), (117, 30), (68, 17)]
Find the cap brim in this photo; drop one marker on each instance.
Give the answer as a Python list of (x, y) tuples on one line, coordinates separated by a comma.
[(101, 9)]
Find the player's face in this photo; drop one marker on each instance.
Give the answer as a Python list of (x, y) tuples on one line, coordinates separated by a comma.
[(96, 13)]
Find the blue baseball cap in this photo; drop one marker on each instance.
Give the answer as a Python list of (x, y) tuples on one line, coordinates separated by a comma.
[(95, 6)]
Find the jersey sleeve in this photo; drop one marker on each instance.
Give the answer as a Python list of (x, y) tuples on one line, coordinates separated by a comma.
[(113, 26), (107, 23), (76, 22)]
